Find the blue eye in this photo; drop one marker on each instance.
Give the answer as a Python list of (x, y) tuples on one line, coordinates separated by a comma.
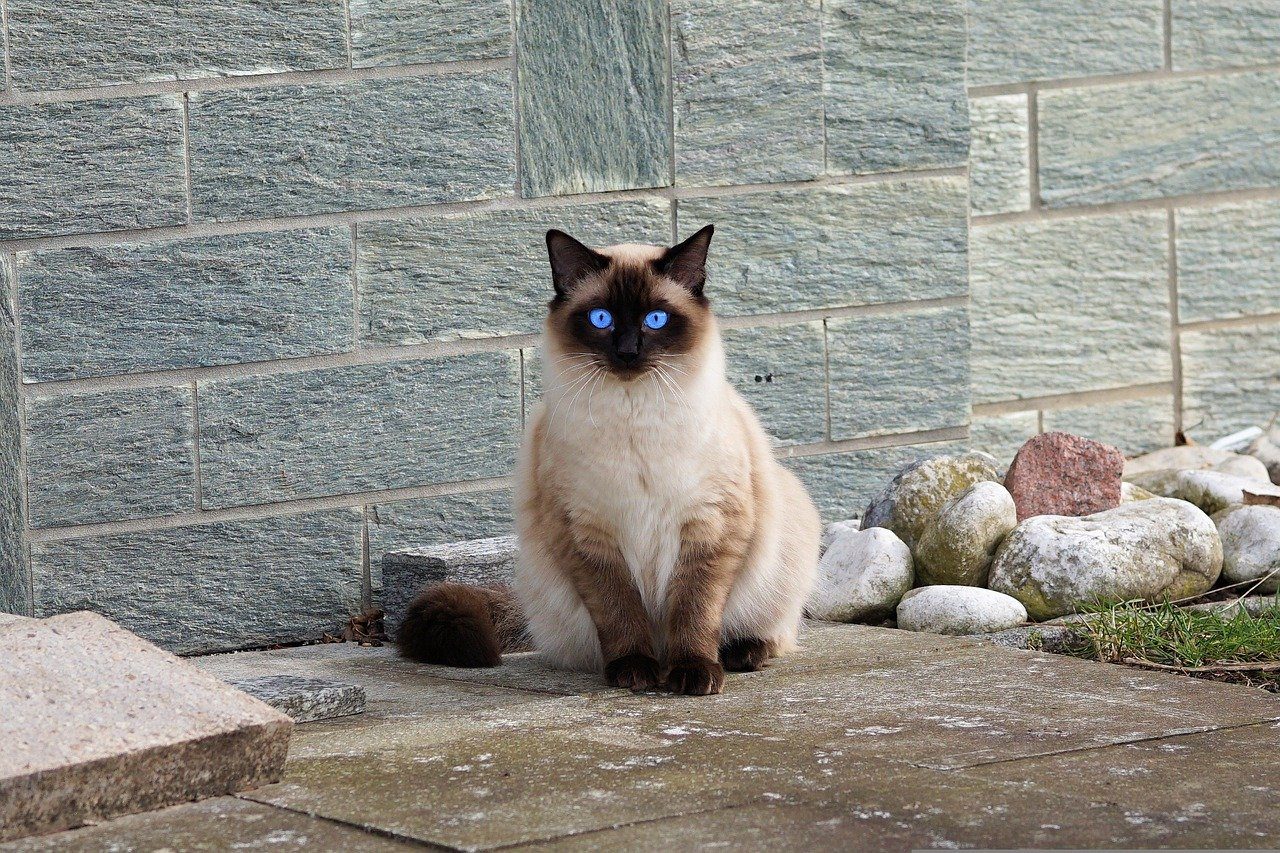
[(600, 318), (655, 319)]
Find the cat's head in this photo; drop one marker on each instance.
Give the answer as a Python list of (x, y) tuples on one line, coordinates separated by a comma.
[(629, 308)]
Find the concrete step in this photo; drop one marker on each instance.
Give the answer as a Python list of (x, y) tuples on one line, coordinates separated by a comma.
[(478, 561)]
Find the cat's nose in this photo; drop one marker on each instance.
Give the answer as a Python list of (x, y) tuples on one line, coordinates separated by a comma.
[(628, 356)]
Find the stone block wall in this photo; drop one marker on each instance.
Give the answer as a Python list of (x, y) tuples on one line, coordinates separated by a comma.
[(271, 275)]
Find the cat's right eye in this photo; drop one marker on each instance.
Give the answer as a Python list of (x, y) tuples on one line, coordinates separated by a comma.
[(600, 318)]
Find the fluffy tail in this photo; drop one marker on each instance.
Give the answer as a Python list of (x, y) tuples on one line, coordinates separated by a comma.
[(457, 625)]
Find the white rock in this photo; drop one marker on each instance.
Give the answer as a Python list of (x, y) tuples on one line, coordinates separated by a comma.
[(1211, 491), (958, 545), (1133, 492), (1194, 457), (944, 609), (1151, 549), (838, 528), (1250, 545), (862, 575)]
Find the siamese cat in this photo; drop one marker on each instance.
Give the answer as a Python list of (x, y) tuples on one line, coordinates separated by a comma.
[(661, 543)]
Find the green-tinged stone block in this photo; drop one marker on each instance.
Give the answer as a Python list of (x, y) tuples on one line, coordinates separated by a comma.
[(1217, 34), (748, 90), (356, 429), (781, 371), (1003, 435), (1134, 426), (1011, 41), (904, 372), (531, 377), (1044, 311), (827, 247), (399, 32), (1228, 261), (481, 274), (894, 85), (212, 587), (216, 300), (595, 110), (1157, 139), (1230, 379), (293, 150), (110, 455), (105, 42), (999, 170), (842, 484), (91, 166), (15, 580)]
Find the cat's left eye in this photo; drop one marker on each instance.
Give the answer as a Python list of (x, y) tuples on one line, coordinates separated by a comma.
[(600, 318), (656, 319)]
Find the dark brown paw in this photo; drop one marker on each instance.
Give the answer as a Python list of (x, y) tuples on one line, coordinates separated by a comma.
[(697, 677), (745, 655), (634, 672)]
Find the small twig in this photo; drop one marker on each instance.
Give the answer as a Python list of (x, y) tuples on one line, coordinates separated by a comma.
[(1271, 666)]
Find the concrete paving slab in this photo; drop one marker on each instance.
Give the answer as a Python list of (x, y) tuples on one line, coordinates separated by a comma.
[(304, 699), (97, 722)]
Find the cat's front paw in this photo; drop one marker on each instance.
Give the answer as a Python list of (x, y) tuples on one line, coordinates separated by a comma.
[(695, 677), (634, 672)]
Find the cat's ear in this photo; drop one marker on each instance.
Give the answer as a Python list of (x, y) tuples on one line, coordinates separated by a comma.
[(686, 263), (571, 261)]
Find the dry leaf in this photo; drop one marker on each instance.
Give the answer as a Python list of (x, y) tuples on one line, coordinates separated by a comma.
[(1252, 499)]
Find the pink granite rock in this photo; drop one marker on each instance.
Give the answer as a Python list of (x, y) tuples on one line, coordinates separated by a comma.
[(1058, 473)]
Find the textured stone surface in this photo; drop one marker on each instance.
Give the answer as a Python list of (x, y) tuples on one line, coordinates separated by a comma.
[(211, 587), (1209, 34), (1054, 639), (291, 150), (999, 176), (15, 582), (912, 500), (352, 429), (958, 610), (106, 42), (1211, 491), (480, 274), (1229, 378), (304, 700), (1228, 261), (1197, 457), (1134, 426), (1251, 545), (748, 91), (1152, 140), (216, 300), (1153, 549), (800, 249), (1057, 473), (1014, 40), (894, 85), (133, 728), (842, 483), (435, 521), (110, 455), (478, 561), (862, 575), (781, 371), (594, 98), (1044, 313), (898, 372), (396, 32), (958, 545), (1003, 435), (91, 166)]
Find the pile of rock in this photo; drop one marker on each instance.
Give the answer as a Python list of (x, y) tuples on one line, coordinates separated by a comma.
[(952, 546)]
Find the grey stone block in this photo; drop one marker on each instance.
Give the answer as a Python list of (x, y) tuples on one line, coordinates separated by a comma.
[(748, 90), (1213, 34), (1015, 40), (1134, 426), (110, 455), (842, 484), (304, 700), (999, 170), (378, 143), (594, 100), (1230, 379), (215, 300), (1054, 639), (405, 573), (15, 579), (1228, 261), (1003, 435), (99, 723), (435, 521), (898, 372), (91, 166), (782, 373), (1044, 315), (212, 587), (480, 274), (1152, 140), (802, 249), (895, 85), (101, 43), (353, 429), (398, 32)]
